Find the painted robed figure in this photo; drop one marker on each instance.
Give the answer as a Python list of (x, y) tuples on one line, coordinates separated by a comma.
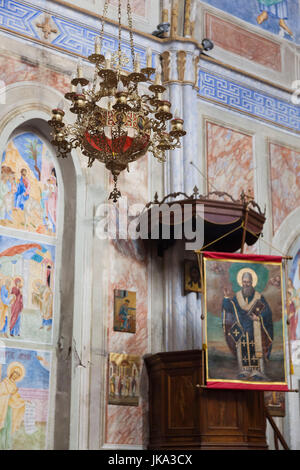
[(244, 321), (248, 327), (277, 9), (12, 406)]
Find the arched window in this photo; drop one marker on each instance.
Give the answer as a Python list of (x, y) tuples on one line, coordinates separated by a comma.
[(30, 245)]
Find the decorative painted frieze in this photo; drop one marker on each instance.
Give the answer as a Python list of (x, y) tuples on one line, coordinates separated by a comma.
[(241, 98)]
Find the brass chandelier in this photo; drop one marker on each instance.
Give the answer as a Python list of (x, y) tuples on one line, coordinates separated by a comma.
[(116, 123)]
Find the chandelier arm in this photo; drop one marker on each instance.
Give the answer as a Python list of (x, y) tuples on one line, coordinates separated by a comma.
[(148, 98), (132, 87), (150, 107), (94, 86), (150, 102), (147, 110), (155, 126), (158, 126), (175, 142)]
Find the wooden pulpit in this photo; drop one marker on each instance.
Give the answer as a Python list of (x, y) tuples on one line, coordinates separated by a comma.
[(184, 416)]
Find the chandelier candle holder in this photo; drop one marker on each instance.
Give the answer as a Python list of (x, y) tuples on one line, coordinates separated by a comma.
[(116, 123)]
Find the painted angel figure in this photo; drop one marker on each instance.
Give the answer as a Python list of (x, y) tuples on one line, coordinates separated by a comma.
[(277, 9)]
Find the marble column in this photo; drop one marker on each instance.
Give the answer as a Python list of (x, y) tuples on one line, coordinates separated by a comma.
[(191, 179), (176, 320), (191, 126), (175, 156), (182, 312), (175, 303)]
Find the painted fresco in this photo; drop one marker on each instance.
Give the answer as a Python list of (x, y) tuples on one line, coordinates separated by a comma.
[(244, 323), (124, 378), (229, 160), (285, 170), (293, 308), (127, 270), (138, 6), (125, 311), (280, 17), (28, 186), (24, 397), (16, 71), (26, 289)]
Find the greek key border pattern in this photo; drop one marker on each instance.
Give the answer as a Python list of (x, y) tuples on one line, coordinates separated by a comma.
[(240, 98), (71, 37)]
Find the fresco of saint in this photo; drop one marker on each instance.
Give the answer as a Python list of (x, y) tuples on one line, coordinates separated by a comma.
[(24, 395), (124, 311), (248, 327), (26, 289), (28, 186), (16, 307), (12, 405), (244, 322)]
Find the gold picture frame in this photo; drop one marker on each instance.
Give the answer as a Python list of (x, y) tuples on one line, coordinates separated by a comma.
[(192, 277)]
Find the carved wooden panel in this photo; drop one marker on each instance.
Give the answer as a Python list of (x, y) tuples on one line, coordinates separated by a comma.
[(156, 391), (222, 411), (181, 393), (254, 403), (182, 415)]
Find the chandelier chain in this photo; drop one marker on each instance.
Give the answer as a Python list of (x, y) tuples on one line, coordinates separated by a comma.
[(101, 36), (129, 16), (104, 16), (120, 37)]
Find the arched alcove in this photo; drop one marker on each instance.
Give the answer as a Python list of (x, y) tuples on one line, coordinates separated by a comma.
[(29, 127)]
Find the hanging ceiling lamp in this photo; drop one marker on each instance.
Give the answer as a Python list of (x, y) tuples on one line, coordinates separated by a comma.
[(116, 124)]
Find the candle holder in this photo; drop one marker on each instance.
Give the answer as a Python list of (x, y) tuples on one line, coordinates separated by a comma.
[(177, 128), (163, 111)]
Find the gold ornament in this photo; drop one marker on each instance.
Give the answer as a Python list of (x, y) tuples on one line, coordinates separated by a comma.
[(116, 124)]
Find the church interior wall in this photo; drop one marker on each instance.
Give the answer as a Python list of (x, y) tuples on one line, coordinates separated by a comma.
[(224, 140), (263, 50), (145, 13), (284, 238)]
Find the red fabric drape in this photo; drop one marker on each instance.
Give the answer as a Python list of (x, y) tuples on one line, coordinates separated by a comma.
[(242, 256), (247, 386)]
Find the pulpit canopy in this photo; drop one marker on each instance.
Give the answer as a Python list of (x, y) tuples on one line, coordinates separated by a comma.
[(228, 223)]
